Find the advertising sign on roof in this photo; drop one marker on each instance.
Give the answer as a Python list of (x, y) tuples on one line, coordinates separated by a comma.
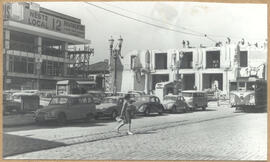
[(18, 12)]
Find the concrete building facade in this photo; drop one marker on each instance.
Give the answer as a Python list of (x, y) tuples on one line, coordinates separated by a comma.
[(200, 68), (35, 46)]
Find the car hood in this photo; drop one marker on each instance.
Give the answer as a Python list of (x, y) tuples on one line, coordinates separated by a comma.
[(51, 107), (105, 105), (165, 102), (139, 103)]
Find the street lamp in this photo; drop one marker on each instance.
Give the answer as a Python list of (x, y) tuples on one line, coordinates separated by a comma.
[(111, 45), (115, 53), (39, 62)]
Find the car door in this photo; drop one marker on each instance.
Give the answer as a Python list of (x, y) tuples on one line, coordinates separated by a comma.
[(83, 110), (75, 108)]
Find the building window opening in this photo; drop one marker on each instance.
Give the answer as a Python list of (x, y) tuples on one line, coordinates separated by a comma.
[(243, 59), (213, 59), (132, 61), (213, 82), (187, 60), (233, 86), (157, 78), (52, 68), (19, 64), (160, 61), (52, 47), (22, 42)]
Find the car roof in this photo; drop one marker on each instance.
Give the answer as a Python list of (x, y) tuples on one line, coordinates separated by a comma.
[(115, 97), (172, 95), (75, 95), (146, 96), (192, 91)]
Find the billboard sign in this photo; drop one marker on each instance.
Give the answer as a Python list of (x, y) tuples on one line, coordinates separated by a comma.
[(18, 12)]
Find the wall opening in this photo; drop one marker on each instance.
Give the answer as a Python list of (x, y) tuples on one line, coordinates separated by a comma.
[(243, 59), (187, 60), (213, 59), (188, 81), (212, 81), (161, 61), (157, 78)]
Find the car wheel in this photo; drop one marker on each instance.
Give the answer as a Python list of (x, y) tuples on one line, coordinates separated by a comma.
[(147, 111), (114, 114), (89, 117), (186, 109), (61, 119), (173, 109)]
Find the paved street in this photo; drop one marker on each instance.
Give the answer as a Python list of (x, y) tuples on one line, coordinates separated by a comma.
[(216, 134)]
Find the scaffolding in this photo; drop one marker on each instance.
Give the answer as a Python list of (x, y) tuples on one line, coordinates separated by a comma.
[(80, 61)]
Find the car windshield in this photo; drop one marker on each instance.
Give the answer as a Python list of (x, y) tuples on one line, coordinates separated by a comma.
[(170, 98), (187, 94), (59, 101), (110, 100)]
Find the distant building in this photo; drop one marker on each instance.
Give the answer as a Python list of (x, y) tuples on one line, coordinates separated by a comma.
[(201, 68), (99, 74), (35, 45)]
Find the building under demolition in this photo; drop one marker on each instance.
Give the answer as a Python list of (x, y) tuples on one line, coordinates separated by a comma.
[(36, 48), (197, 68)]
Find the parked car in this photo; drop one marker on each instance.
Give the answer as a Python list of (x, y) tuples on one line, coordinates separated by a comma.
[(195, 99), (70, 107), (9, 105), (174, 103), (147, 104), (97, 96), (110, 107)]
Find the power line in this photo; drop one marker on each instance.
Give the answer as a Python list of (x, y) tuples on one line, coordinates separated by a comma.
[(159, 26), (142, 21), (184, 28)]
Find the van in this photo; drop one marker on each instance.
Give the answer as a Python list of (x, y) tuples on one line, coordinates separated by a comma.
[(195, 99)]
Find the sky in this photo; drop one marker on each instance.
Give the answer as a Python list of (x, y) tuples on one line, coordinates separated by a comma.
[(217, 20)]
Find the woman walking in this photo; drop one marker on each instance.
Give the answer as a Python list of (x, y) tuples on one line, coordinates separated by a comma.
[(126, 114)]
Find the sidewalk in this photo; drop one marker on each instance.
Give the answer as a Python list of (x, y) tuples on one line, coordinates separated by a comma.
[(18, 120)]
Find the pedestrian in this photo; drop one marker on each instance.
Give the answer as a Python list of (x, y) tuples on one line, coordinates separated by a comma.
[(126, 114)]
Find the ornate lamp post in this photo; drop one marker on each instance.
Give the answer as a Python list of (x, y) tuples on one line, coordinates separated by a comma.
[(178, 65), (39, 62), (115, 53)]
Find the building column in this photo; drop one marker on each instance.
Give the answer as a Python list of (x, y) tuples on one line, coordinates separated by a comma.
[(199, 80), (6, 58), (226, 82), (38, 61), (146, 83), (65, 48)]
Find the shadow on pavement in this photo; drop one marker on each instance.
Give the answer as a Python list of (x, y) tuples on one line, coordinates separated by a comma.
[(13, 144), (144, 132)]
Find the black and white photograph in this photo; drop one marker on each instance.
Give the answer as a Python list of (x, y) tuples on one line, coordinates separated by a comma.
[(134, 80)]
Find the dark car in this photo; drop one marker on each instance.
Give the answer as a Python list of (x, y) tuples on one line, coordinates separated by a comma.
[(147, 104), (110, 107)]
